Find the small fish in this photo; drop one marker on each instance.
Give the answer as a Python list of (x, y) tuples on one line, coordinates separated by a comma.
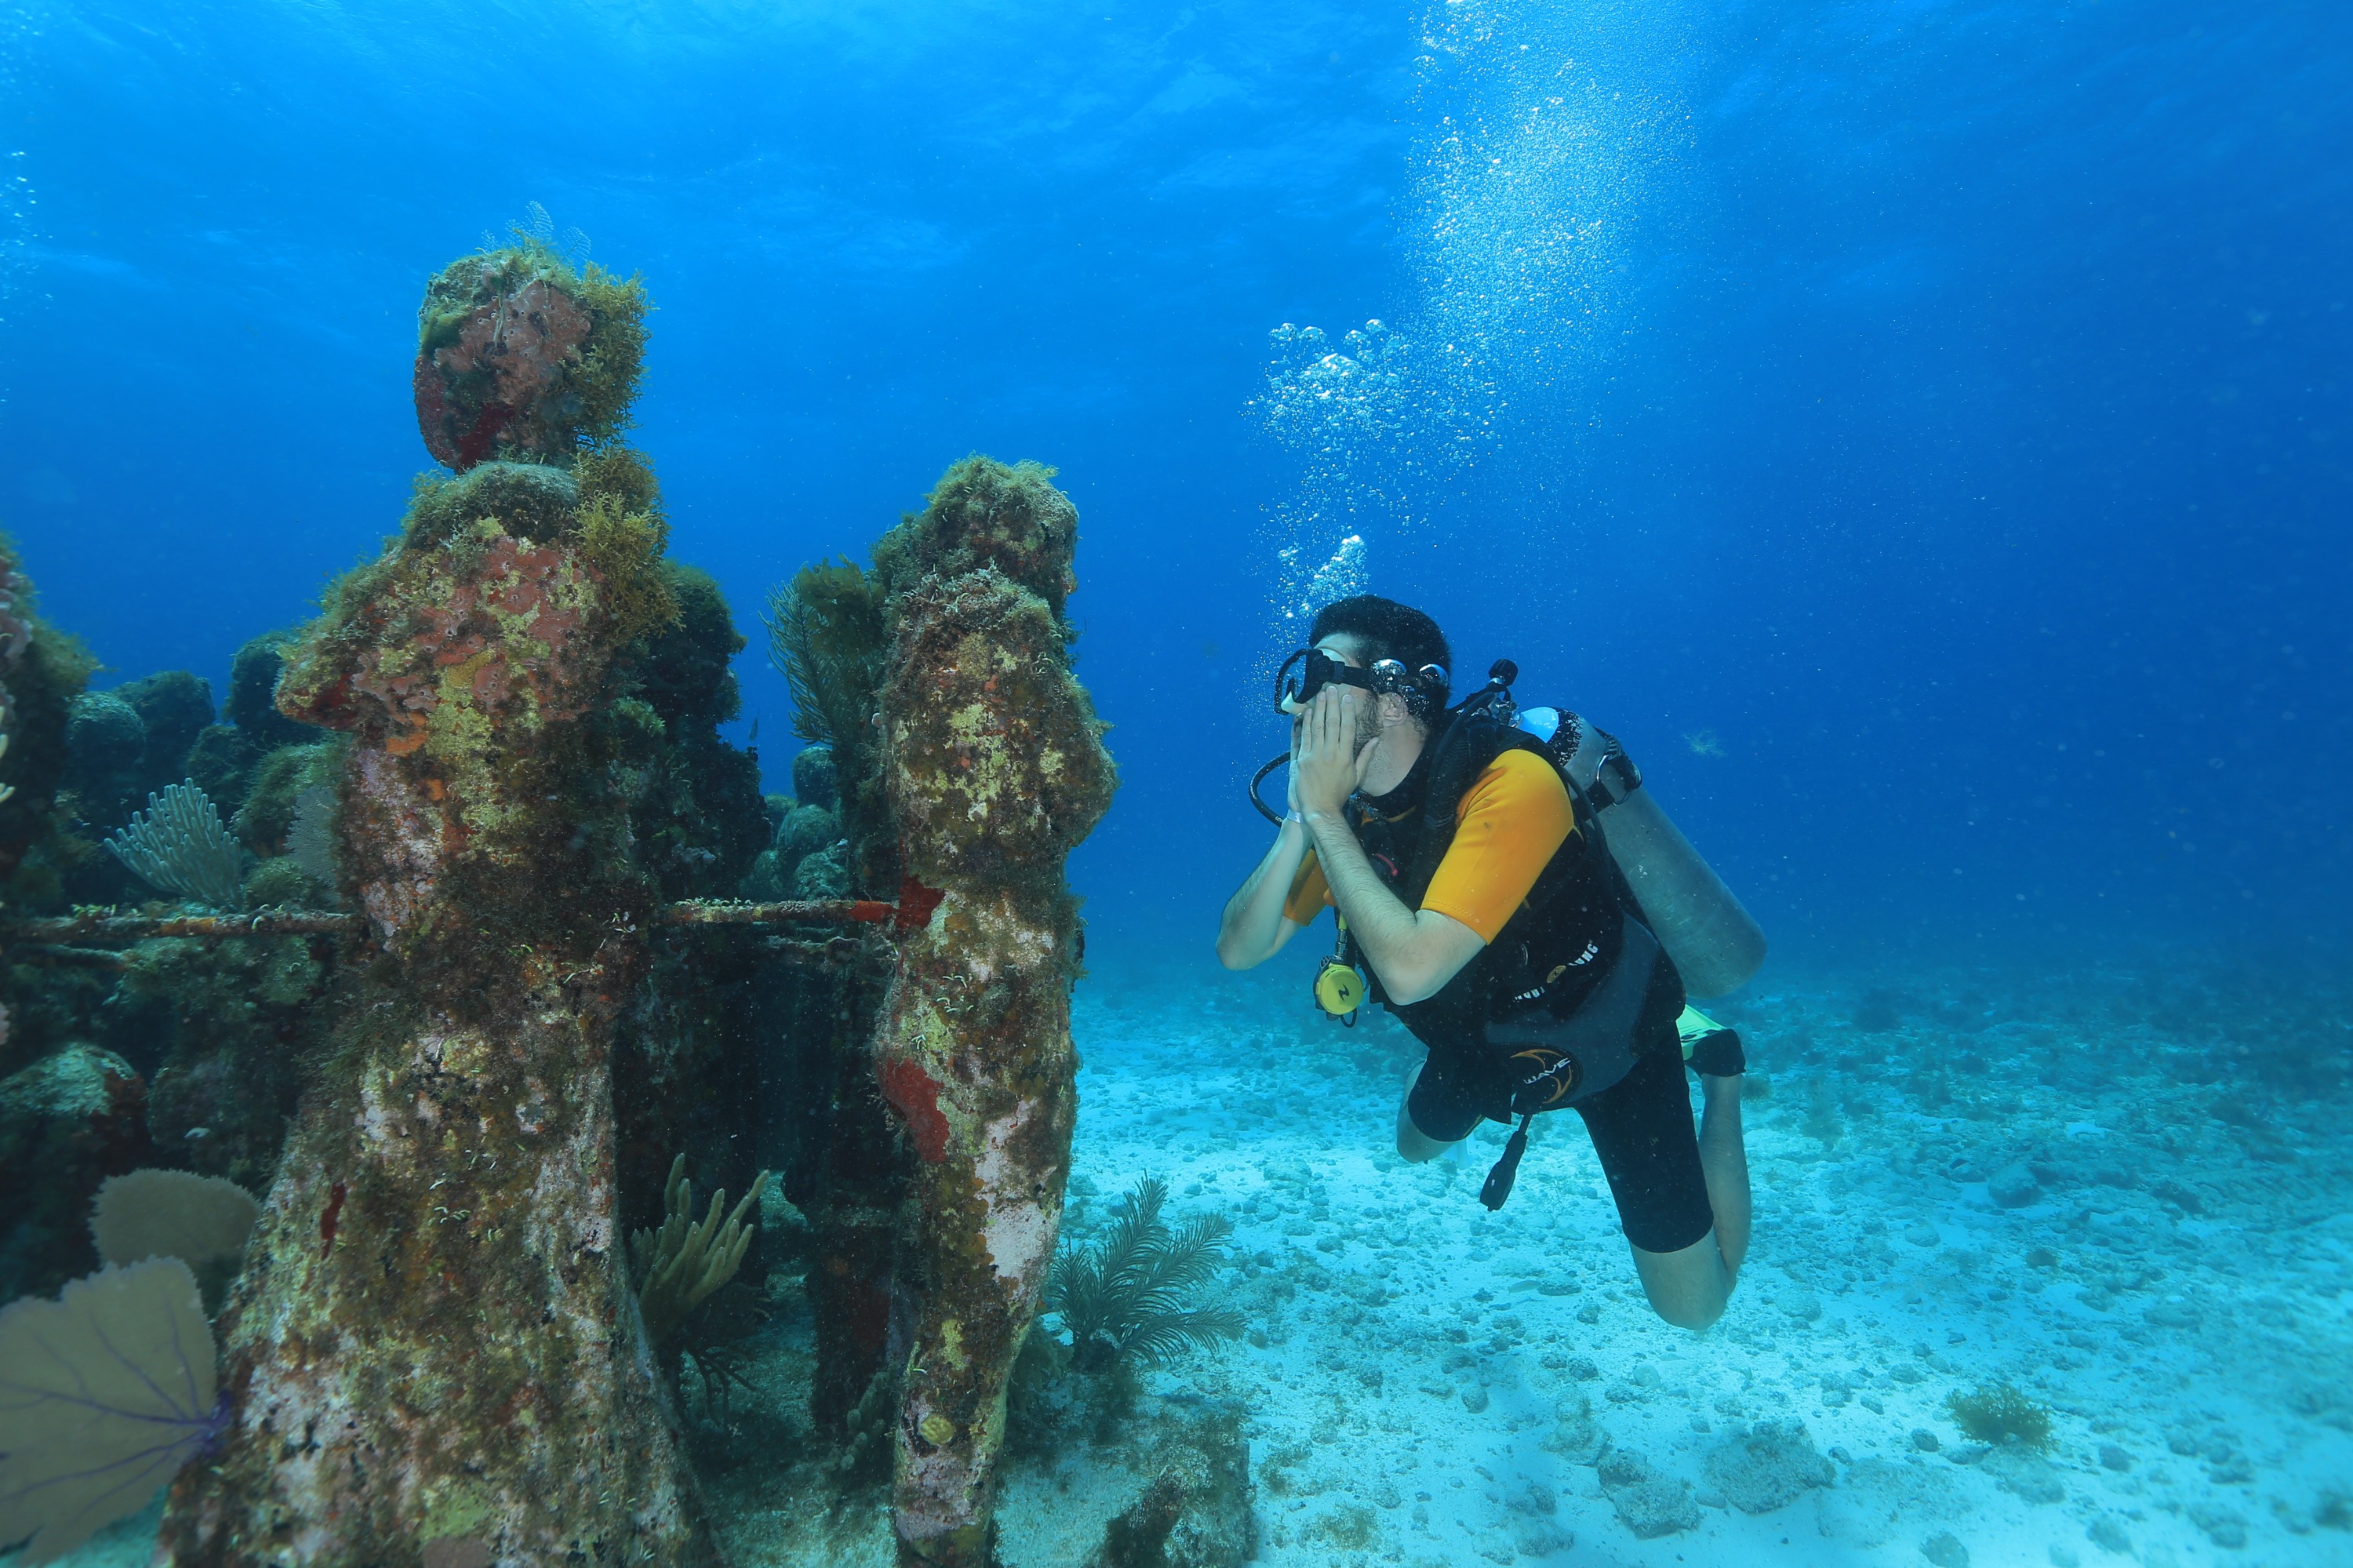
[(1702, 742)]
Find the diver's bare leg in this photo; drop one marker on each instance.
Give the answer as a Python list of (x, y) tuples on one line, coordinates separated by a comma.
[(1723, 1158), (1415, 1145), (1689, 1287)]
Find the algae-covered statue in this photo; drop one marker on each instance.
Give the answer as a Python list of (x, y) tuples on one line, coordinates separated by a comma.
[(994, 770), (434, 1349)]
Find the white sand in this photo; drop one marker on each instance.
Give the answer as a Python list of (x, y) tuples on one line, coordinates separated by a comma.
[(1417, 1349)]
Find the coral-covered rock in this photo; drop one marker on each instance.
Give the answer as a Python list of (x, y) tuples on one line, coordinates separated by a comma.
[(175, 705), (807, 830), (684, 673), (1647, 1503), (252, 704), (229, 1025), (1769, 1465), (701, 819), (813, 776), (104, 739), (995, 745), (67, 1123), (1195, 1510), (262, 822), (2014, 1187), (457, 1168), (42, 670)]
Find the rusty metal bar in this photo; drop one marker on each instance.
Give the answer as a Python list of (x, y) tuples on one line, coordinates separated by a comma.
[(97, 927), (141, 928), (89, 957), (833, 911)]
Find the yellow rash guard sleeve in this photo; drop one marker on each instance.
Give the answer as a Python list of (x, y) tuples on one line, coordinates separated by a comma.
[(1506, 829)]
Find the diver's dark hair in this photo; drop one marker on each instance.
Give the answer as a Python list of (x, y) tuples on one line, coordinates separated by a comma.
[(1384, 628)]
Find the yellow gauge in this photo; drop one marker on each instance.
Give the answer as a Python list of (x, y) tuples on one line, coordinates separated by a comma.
[(1339, 990)]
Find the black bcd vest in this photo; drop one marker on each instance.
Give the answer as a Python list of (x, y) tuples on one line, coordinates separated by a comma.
[(1546, 976)]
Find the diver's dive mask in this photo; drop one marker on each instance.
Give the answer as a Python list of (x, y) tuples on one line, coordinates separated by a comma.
[(1319, 670), (1422, 690)]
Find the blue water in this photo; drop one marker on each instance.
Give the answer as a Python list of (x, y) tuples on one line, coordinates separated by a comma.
[(1955, 422), (1922, 431)]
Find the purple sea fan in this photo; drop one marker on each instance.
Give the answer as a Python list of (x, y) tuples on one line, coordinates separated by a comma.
[(104, 1395)]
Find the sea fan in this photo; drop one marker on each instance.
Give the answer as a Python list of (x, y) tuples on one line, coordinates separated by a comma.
[(180, 845), (1129, 1295), (171, 1213), (104, 1395), (203, 1220)]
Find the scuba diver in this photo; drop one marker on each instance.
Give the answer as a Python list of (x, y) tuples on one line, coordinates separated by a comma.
[(1530, 915)]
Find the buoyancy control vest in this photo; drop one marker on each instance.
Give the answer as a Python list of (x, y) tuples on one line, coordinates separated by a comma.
[(1574, 987)]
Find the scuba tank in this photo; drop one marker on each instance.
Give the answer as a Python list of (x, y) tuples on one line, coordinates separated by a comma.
[(1716, 944)]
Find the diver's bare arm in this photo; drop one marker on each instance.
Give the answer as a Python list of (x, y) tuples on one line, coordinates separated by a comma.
[(1415, 951), (1254, 927)]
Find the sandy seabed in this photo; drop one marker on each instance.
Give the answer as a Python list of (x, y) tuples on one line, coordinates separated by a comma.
[(2174, 1289), (1418, 1374)]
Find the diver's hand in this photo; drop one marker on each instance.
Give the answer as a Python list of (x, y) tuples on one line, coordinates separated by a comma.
[(1326, 765), (1290, 774)]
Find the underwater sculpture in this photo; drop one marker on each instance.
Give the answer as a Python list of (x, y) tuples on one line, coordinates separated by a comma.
[(435, 1347), (994, 770)]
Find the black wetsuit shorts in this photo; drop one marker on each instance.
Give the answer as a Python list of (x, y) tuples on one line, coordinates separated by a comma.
[(1641, 1127)]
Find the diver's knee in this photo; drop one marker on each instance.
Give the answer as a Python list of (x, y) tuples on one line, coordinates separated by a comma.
[(1688, 1288), (1415, 1146), (1693, 1307), (1691, 1315)]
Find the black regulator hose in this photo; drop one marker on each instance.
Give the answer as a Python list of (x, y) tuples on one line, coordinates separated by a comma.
[(1258, 778)]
